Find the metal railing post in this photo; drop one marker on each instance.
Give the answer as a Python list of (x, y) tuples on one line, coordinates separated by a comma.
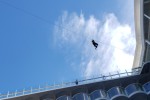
[(118, 74), (8, 94), (54, 85), (46, 86), (23, 91), (39, 88), (62, 84), (31, 89), (0, 95), (127, 73), (110, 76), (103, 77), (16, 93)]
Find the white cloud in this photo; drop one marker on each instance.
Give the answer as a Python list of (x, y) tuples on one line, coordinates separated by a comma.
[(116, 42)]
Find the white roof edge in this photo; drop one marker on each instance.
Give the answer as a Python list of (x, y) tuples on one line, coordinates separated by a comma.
[(139, 31)]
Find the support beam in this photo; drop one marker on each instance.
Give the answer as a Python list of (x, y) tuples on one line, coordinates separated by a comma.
[(147, 16), (146, 2), (148, 42)]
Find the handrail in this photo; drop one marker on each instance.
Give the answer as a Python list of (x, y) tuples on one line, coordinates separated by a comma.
[(69, 84)]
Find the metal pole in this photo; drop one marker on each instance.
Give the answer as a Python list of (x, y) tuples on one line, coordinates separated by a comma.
[(23, 91), (127, 73), (148, 42), (147, 2), (103, 77), (54, 85), (39, 88), (147, 16), (62, 84), (46, 86), (118, 74), (110, 75), (31, 89), (16, 93), (8, 94)]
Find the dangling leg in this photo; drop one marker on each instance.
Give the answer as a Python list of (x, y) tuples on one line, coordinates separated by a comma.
[(96, 45)]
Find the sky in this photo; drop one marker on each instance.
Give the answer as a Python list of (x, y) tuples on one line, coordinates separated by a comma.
[(49, 41)]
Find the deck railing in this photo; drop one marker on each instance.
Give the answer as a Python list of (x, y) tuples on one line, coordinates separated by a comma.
[(47, 87)]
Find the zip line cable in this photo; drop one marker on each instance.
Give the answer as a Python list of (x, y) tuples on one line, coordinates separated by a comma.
[(33, 15), (50, 22), (26, 12)]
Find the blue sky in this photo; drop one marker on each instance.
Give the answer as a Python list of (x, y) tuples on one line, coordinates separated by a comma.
[(47, 41)]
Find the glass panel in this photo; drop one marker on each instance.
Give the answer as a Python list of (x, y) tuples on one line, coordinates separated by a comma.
[(80, 96), (95, 95), (86, 97), (115, 91), (103, 94), (133, 88), (98, 94), (147, 87)]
